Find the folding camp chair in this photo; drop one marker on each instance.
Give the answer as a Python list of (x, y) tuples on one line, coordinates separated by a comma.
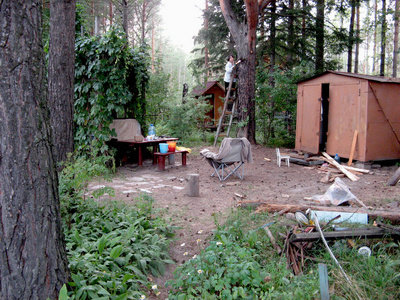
[(230, 159)]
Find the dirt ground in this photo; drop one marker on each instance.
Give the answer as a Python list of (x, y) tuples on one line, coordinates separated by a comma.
[(263, 180)]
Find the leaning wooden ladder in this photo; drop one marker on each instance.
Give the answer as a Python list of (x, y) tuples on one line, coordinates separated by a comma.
[(227, 100)]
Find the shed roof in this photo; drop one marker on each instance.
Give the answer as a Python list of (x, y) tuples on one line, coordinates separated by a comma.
[(201, 90), (354, 75)]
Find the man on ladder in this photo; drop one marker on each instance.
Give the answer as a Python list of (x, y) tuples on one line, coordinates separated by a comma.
[(230, 82), (229, 67)]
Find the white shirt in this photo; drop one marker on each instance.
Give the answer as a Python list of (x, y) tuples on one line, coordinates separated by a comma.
[(228, 72)]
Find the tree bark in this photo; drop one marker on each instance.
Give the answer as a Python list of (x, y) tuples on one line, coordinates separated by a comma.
[(356, 54), (33, 261), (394, 179), (383, 39), (125, 17), (351, 37), (244, 35), (319, 37), (303, 29), (396, 37), (374, 60), (61, 76)]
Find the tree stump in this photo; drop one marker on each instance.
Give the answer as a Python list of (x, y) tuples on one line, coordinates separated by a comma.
[(395, 178), (192, 187)]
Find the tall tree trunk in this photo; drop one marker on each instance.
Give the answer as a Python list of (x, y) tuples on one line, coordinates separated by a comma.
[(396, 37), (111, 12), (383, 39), (125, 17), (374, 57), (291, 34), (244, 35), (319, 37), (61, 76), (207, 73), (270, 132), (303, 29), (153, 46), (33, 261), (356, 54), (144, 19), (351, 37)]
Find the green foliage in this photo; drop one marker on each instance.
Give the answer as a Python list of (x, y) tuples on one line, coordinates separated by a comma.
[(240, 263), (158, 96), (277, 104), (187, 120), (110, 81), (77, 173), (237, 266), (111, 247)]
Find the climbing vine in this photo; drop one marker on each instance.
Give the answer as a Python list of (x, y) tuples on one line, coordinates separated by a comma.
[(110, 82)]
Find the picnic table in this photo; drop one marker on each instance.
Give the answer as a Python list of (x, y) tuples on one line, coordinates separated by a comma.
[(146, 143)]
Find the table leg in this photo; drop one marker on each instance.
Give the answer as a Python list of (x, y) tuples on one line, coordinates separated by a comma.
[(183, 159), (154, 151), (161, 162), (140, 158)]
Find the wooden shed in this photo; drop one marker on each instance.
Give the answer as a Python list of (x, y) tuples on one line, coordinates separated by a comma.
[(349, 114), (215, 94)]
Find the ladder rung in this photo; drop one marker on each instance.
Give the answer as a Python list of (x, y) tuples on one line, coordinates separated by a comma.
[(228, 112)]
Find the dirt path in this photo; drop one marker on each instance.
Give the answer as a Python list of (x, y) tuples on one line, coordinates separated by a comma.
[(263, 180)]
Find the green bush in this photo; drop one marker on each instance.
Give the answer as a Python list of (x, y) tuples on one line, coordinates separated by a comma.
[(110, 82)]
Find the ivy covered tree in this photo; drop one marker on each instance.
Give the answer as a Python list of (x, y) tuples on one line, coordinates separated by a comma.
[(110, 81)]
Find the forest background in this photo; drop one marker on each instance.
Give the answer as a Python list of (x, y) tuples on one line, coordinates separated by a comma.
[(66, 71), (295, 40)]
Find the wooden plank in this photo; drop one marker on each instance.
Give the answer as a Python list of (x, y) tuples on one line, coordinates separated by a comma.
[(366, 232), (391, 214), (353, 148), (298, 161), (357, 169), (350, 175)]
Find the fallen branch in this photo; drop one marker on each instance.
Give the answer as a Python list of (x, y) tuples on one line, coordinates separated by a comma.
[(273, 242), (394, 179)]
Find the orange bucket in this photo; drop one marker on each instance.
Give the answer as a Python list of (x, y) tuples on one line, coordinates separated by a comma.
[(171, 146)]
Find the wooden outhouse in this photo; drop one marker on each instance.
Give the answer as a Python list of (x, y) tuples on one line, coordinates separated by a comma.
[(349, 114), (215, 93)]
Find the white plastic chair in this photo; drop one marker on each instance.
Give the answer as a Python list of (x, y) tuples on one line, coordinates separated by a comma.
[(279, 157)]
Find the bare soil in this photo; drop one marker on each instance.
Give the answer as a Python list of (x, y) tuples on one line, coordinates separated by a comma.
[(263, 180)]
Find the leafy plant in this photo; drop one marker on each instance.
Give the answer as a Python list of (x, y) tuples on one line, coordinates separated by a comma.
[(111, 247), (236, 265), (111, 250), (110, 81), (276, 104), (187, 120)]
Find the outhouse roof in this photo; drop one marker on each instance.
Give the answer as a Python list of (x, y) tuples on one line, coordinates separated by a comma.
[(201, 90), (354, 75)]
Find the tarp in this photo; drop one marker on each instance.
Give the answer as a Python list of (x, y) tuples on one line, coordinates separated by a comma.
[(126, 129)]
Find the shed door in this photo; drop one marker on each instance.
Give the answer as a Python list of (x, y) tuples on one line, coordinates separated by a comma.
[(310, 118)]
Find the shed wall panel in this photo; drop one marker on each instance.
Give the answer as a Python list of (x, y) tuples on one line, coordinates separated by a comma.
[(308, 118), (343, 119)]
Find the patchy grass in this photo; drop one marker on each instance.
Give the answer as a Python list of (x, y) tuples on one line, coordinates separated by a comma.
[(240, 263)]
